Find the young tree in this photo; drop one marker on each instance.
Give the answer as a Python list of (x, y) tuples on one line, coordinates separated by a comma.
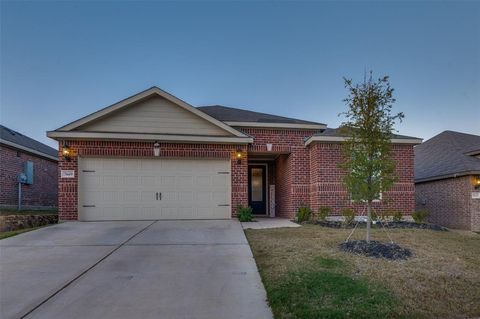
[(368, 163)]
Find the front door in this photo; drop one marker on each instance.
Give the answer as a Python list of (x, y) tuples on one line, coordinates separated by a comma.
[(257, 189)]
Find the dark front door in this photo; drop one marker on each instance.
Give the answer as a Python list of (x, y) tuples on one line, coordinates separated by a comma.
[(257, 190)]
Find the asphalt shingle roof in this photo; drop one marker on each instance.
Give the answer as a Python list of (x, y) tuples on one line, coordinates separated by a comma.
[(339, 133), (25, 141), (446, 154), (230, 114)]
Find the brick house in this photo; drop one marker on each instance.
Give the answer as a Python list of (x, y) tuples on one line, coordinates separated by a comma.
[(447, 179), (18, 151), (153, 156)]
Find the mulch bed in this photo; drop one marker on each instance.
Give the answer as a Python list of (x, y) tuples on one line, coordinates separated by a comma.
[(376, 249), (404, 224)]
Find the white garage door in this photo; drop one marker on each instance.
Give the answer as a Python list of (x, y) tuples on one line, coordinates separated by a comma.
[(136, 189)]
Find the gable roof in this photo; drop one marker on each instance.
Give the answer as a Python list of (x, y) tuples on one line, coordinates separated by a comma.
[(240, 117), (447, 154), (17, 140), (339, 135), (70, 130)]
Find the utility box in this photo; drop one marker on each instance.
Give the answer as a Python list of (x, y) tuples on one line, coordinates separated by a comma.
[(28, 171)]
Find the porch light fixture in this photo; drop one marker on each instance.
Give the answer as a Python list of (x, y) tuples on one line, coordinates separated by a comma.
[(269, 147), (156, 149), (238, 155), (476, 181), (66, 152)]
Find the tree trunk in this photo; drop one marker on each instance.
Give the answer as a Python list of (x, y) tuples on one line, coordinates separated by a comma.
[(369, 219)]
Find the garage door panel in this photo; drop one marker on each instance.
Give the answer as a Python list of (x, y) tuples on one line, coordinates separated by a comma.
[(148, 181), (170, 196), (167, 180), (185, 196), (126, 189), (204, 196), (184, 180)]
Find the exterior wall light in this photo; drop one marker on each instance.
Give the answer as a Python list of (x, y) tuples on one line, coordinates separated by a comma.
[(476, 181), (238, 155), (269, 147), (156, 149), (66, 152)]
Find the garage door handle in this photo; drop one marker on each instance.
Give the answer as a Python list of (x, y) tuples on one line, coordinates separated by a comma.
[(223, 204), (156, 195), (160, 196), (88, 205)]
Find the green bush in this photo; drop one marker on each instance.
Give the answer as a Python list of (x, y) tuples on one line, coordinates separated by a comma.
[(303, 213), (348, 215), (420, 216), (323, 212), (397, 216), (244, 214)]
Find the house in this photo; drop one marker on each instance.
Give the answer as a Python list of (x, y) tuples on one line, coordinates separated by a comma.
[(447, 179), (22, 154), (154, 156)]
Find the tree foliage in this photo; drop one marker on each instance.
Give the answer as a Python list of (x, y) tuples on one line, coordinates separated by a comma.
[(368, 162)]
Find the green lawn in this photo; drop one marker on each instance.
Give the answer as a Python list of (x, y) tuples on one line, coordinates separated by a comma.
[(306, 276), (7, 234)]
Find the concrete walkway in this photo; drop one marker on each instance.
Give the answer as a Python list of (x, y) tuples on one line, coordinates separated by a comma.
[(137, 269), (265, 223)]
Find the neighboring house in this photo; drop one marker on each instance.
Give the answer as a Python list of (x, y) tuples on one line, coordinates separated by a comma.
[(447, 179), (21, 154), (210, 160)]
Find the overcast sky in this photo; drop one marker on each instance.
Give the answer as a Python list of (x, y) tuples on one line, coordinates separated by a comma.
[(63, 60)]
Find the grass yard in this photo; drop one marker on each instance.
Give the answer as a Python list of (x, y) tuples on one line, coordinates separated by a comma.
[(7, 234), (306, 276)]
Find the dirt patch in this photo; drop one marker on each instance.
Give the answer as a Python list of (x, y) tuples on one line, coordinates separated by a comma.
[(376, 249)]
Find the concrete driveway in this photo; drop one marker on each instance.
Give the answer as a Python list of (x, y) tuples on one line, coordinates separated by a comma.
[(135, 269)]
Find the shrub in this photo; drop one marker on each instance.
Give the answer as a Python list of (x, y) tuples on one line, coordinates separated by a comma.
[(348, 215), (323, 212), (244, 214), (420, 216), (303, 213), (397, 216)]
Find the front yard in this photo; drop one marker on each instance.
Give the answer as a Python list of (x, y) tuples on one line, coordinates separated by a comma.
[(306, 276)]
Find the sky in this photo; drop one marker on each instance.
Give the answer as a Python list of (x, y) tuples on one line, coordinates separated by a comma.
[(61, 60)]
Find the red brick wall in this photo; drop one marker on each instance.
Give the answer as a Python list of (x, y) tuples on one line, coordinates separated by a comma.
[(449, 202), (326, 188), (43, 191), (303, 175), (292, 170), (68, 187)]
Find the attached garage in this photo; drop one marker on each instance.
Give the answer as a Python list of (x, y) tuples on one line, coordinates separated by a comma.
[(153, 188)]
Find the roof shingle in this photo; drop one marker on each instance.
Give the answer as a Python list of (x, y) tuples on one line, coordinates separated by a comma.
[(447, 154), (231, 114), (25, 141)]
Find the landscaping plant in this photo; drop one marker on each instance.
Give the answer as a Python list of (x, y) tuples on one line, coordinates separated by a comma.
[(397, 216), (303, 213), (244, 214), (323, 212), (348, 215), (368, 163), (420, 216)]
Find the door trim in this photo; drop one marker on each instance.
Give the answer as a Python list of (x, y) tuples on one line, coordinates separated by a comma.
[(267, 202)]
